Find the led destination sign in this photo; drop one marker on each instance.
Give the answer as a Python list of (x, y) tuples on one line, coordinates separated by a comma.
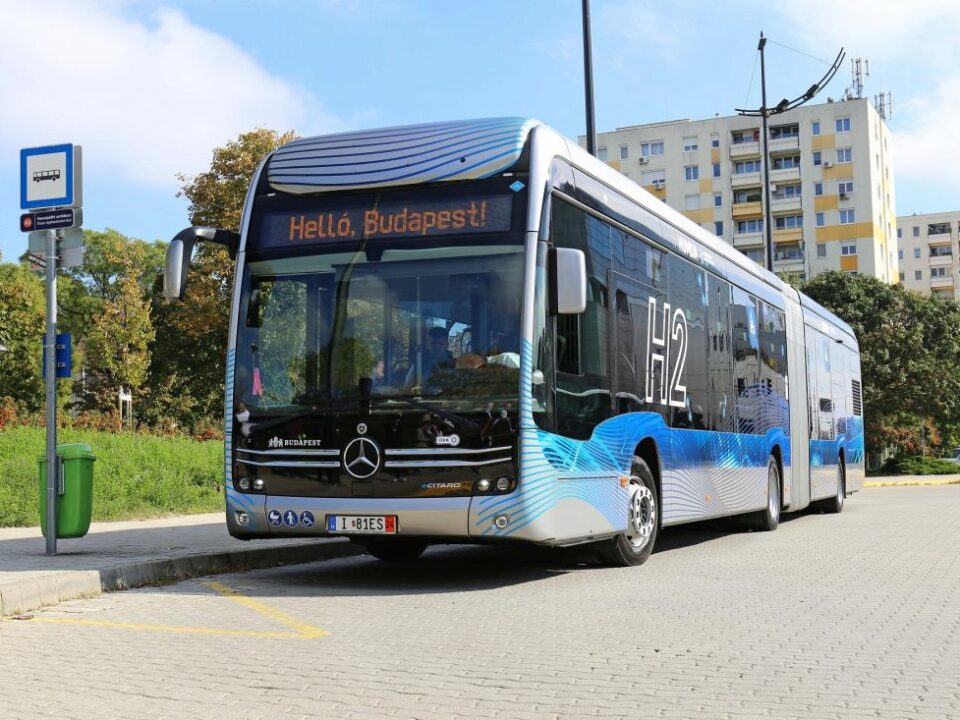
[(455, 216)]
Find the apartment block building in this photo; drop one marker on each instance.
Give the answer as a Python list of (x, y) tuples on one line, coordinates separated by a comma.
[(831, 182), (927, 248)]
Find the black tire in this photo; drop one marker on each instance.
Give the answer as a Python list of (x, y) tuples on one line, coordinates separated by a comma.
[(835, 504), (769, 518), (634, 546), (398, 550)]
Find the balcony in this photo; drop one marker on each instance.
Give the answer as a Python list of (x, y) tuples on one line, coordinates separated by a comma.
[(784, 174), (788, 263), (784, 204), (747, 240), (941, 238), (941, 260), (750, 179), (942, 282), (788, 235), (784, 143), (746, 210), (744, 149)]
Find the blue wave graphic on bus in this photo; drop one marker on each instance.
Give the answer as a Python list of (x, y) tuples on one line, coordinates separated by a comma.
[(555, 468), (235, 500)]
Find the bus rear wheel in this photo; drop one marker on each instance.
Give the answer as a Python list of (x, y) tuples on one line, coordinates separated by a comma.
[(398, 550), (634, 545), (768, 518), (835, 504)]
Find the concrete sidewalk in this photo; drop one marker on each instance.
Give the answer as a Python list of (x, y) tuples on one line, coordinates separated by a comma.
[(120, 555), (902, 480)]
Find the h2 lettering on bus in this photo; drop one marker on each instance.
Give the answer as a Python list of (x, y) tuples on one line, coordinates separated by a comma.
[(673, 328)]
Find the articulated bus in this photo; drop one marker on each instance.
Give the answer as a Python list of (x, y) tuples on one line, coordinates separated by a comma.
[(476, 332)]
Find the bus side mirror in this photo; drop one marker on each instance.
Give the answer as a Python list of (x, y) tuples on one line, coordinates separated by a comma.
[(181, 249), (568, 270)]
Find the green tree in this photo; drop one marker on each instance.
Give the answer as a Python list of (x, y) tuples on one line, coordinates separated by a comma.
[(22, 323), (186, 376)]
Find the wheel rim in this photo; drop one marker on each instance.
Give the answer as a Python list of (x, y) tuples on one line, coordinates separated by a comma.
[(773, 492), (643, 514)]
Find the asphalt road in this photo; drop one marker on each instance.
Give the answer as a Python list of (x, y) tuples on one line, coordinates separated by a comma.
[(849, 616)]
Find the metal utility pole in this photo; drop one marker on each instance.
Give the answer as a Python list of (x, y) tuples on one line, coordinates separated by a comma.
[(765, 112), (765, 164), (50, 378), (588, 80)]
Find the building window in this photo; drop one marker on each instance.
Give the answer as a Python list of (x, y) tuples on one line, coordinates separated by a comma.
[(651, 148), (755, 254), (901, 277), (821, 250), (787, 191), (848, 249), (602, 154), (817, 158), (899, 233), (689, 144), (739, 137), (899, 254), (789, 222), (844, 155), (845, 187), (815, 127), (717, 200), (820, 219), (716, 170), (785, 162), (691, 172), (623, 152), (846, 217), (918, 274), (916, 252), (784, 131), (718, 228), (916, 231), (843, 124), (746, 166), (749, 226), (746, 196), (818, 189), (691, 202), (714, 140), (938, 272)]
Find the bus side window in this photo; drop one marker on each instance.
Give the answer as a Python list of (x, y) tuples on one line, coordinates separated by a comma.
[(746, 360)]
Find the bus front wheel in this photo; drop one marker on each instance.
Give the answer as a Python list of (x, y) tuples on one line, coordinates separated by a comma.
[(633, 546), (769, 517)]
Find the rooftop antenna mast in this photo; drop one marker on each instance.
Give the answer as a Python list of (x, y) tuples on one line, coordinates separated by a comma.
[(859, 69)]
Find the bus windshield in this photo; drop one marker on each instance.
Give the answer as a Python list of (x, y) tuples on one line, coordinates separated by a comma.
[(382, 325)]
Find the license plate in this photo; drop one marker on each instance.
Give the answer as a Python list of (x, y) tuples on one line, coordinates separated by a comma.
[(362, 524)]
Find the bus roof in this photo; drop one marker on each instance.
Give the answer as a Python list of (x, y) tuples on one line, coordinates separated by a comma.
[(469, 150)]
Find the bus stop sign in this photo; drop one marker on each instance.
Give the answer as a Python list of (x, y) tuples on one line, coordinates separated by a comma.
[(50, 176)]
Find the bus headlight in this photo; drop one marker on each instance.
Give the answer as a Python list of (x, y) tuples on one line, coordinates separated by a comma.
[(483, 485), (258, 484), (503, 484), (244, 484)]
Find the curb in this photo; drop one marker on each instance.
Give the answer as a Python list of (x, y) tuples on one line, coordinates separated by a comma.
[(37, 592), (908, 483)]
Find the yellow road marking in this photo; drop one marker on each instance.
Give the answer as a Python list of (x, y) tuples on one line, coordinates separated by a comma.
[(164, 628), (302, 630)]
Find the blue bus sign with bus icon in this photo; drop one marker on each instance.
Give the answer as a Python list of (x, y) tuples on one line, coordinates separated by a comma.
[(50, 176)]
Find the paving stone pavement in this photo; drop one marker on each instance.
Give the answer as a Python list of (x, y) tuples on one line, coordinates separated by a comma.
[(830, 617)]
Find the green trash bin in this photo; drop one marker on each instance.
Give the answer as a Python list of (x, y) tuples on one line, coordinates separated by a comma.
[(75, 506)]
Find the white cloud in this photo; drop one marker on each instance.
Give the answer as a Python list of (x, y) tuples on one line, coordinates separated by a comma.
[(146, 99)]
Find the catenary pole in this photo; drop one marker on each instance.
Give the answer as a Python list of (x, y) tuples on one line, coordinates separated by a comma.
[(765, 162), (588, 80)]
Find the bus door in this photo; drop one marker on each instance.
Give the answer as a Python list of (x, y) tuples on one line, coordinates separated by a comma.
[(631, 370)]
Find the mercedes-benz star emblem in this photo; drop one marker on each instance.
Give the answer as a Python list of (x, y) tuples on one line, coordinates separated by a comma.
[(361, 458)]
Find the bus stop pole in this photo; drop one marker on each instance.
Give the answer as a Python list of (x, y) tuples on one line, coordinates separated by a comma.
[(50, 352)]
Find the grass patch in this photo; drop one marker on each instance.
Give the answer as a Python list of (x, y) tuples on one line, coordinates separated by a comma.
[(916, 465), (135, 476)]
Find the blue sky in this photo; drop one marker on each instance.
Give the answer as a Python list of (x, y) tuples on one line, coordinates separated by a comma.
[(150, 88)]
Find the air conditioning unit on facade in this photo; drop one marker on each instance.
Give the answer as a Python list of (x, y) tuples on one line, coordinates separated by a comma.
[(773, 187), (843, 196), (642, 160), (827, 164)]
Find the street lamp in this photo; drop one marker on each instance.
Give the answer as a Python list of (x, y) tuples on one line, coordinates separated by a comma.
[(764, 112)]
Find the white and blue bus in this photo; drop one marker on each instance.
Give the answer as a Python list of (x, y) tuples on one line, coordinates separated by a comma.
[(477, 332)]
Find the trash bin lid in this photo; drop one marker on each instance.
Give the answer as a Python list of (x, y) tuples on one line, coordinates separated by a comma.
[(75, 451)]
